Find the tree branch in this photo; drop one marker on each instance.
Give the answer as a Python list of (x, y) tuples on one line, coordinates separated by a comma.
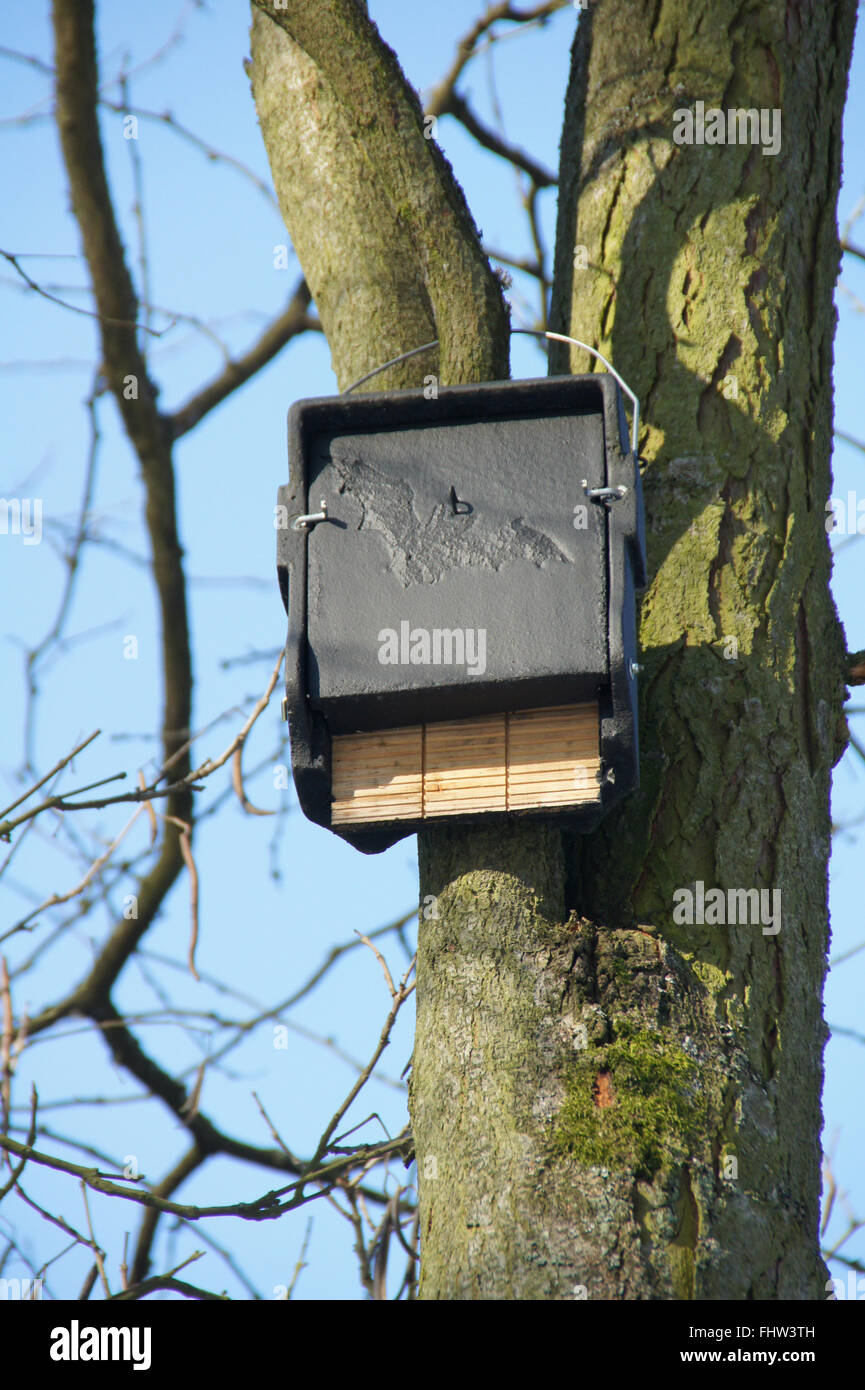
[(124, 365), (468, 45), (384, 123), (855, 668), (458, 107), (293, 320)]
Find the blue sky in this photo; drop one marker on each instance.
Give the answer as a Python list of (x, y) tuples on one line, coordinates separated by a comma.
[(210, 235)]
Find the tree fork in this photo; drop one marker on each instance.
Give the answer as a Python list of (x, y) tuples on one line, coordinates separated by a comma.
[(606, 1104)]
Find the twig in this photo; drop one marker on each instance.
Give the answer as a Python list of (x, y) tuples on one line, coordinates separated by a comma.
[(186, 850), (467, 47), (237, 784), (381, 960), (58, 767), (266, 1208), (399, 998), (76, 308), (458, 107), (214, 155), (57, 898), (31, 1136), (274, 1132), (151, 814), (145, 794), (138, 207), (354, 1217), (163, 1281), (301, 1261), (98, 1253), (7, 1029), (293, 320)]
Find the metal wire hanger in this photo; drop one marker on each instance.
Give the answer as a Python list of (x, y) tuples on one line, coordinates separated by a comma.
[(531, 333)]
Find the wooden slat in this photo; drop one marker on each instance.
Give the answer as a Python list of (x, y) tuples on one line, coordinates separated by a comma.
[(521, 761), (464, 766), (377, 776), (553, 757)]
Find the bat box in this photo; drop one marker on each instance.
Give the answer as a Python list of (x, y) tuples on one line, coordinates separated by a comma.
[(459, 574)]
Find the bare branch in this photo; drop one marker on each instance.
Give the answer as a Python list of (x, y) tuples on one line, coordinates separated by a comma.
[(459, 108), (399, 998), (855, 668), (266, 1208), (382, 962), (215, 156), (519, 263), (186, 850), (468, 44), (850, 439), (292, 321), (27, 58), (31, 1138), (57, 898), (58, 767), (98, 1253), (144, 794), (7, 1032), (122, 362), (76, 308), (237, 783), (160, 1281), (276, 1136), (301, 1261), (151, 814)]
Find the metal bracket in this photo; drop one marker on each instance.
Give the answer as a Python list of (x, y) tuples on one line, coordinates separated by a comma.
[(310, 519), (606, 495)]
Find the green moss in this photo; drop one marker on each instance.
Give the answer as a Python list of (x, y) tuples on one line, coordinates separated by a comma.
[(631, 1103), (622, 972)]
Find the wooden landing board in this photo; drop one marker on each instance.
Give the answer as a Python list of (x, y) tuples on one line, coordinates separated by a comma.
[(504, 762)]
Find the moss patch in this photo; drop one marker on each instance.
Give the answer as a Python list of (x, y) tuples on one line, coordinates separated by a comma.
[(631, 1103)]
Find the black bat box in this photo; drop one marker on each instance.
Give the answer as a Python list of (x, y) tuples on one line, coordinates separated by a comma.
[(459, 571)]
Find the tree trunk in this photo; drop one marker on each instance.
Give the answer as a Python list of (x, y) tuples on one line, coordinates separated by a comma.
[(677, 1155), (607, 1102)]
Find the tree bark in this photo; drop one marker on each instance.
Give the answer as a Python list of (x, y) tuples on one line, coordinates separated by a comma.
[(380, 225), (607, 1103), (677, 1155)]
